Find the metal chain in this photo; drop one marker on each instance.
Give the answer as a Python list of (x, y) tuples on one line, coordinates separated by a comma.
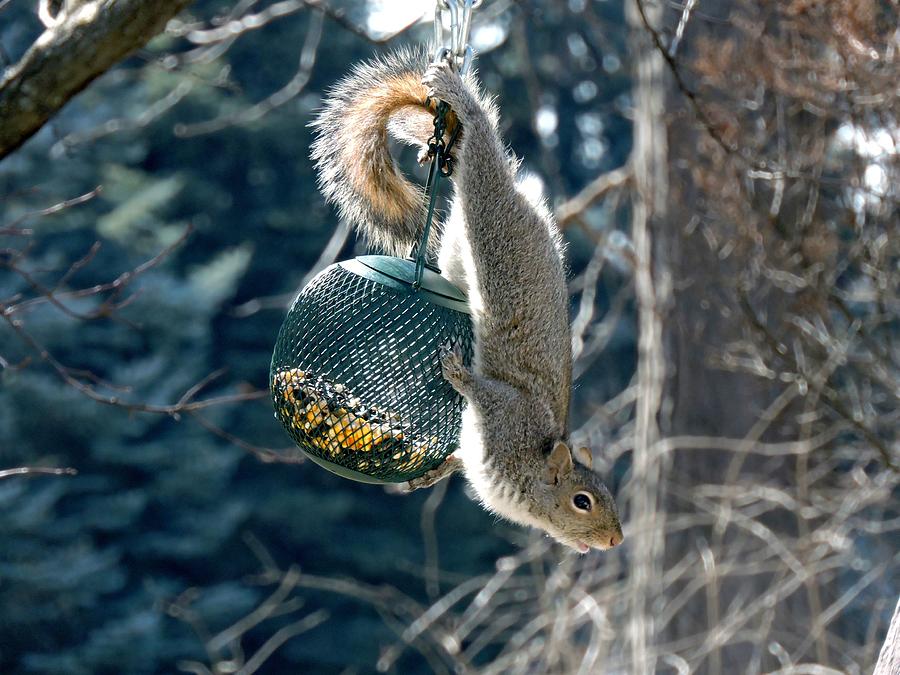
[(460, 55), (438, 148)]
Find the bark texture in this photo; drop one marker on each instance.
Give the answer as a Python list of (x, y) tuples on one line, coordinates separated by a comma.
[(85, 42), (889, 659)]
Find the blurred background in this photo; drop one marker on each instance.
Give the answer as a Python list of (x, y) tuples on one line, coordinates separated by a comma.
[(726, 176)]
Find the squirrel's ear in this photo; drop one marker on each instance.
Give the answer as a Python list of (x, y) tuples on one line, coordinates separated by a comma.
[(584, 456), (559, 463)]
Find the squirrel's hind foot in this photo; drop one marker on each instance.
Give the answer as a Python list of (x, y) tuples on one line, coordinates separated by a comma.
[(451, 465), (445, 84)]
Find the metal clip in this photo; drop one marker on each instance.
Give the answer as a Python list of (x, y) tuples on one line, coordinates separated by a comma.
[(456, 43)]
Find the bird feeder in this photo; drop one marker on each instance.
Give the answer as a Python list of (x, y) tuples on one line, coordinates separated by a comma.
[(356, 377)]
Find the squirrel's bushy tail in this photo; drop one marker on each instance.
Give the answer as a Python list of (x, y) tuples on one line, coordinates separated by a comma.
[(356, 171)]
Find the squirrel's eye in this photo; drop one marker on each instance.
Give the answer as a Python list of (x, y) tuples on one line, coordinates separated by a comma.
[(582, 502)]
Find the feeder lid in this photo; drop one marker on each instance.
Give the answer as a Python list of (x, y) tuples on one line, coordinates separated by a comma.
[(400, 274)]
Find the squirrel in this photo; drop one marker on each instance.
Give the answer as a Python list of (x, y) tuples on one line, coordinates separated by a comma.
[(501, 246)]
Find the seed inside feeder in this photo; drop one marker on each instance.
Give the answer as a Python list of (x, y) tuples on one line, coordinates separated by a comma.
[(335, 421)]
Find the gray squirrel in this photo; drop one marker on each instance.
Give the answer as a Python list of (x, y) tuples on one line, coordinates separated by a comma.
[(501, 246)]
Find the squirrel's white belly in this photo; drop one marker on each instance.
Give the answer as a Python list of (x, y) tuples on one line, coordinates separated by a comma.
[(496, 496)]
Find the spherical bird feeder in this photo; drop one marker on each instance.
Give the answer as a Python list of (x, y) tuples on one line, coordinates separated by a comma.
[(356, 377)]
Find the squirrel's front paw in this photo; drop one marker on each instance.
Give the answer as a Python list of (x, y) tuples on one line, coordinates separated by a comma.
[(453, 368), (445, 84)]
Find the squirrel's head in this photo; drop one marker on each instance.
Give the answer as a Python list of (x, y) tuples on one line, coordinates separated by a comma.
[(577, 508)]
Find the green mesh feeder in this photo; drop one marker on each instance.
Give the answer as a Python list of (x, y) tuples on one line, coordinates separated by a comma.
[(356, 376)]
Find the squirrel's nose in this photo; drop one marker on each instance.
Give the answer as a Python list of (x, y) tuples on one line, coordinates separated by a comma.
[(616, 539)]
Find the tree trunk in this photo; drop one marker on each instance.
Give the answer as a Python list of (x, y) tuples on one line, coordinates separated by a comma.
[(889, 659), (649, 159)]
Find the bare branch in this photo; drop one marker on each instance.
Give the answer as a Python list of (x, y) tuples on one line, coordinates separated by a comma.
[(682, 85), (248, 22), (595, 190), (287, 93), (37, 471), (682, 24), (281, 636)]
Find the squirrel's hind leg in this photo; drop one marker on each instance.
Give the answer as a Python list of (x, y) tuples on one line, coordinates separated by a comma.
[(412, 125)]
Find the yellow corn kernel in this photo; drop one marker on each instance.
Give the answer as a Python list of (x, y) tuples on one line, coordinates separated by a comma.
[(380, 432), (337, 427), (360, 434), (323, 444), (316, 412)]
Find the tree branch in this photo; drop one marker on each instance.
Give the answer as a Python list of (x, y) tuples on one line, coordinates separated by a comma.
[(593, 191), (37, 471), (82, 44)]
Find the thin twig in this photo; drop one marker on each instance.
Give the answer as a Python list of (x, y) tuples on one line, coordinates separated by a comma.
[(37, 471), (683, 87), (593, 191), (280, 637), (284, 95)]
